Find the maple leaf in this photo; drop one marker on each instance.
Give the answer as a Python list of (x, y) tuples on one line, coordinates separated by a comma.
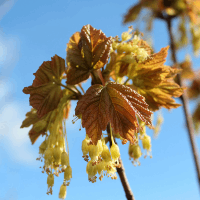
[(87, 51), (154, 81), (134, 11), (187, 71), (41, 125), (45, 92), (161, 96), (194, 90), (193, 7), (116, 104), (151, 72)]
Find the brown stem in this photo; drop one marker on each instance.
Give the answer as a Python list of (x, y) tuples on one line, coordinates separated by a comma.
[(97, 78), (121, 173), (184, 100)]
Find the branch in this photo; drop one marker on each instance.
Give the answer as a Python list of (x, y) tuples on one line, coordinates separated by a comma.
[(121, 173), (97, 78), (184, 100)]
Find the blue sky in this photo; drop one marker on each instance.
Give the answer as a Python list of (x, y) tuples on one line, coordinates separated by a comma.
[(32, 32)]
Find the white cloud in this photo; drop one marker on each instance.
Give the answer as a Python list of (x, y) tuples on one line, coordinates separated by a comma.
[(9, 53), (13, 140), (5, 6)]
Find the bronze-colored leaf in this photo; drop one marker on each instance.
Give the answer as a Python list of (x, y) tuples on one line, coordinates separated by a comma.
[(152, 72), (187, 72), (39, 124), (114, 103), (86, 51), (133, 13), (31, 118), (155, 82), (42, 125), (194, 90), (45, 92)]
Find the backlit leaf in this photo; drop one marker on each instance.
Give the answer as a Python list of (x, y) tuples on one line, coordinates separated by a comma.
[(42, 125), (194, 90), (154, 81), (133, 13), (114, 103), (45, 92), (39, 124), (86, 51)]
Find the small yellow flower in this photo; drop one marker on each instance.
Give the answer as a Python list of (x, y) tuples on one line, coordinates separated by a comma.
[(64, 159), (114, 150), (50, 180), (68, 173), (63, 192)]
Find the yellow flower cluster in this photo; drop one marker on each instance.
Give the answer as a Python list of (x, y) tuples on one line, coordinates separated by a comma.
[(129, 47), (102, 161), (134, 150), (56, 158)]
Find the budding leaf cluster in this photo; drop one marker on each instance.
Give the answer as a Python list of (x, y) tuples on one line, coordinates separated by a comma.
[(123, 108)]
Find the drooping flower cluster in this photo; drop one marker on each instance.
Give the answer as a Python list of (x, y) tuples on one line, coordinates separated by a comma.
[(102, 160), (134, 150), (56, 159)]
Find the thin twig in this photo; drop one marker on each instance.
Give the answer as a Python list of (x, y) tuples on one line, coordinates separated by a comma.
[(81, 88), (128, 79), (121, 173), (184, 99)]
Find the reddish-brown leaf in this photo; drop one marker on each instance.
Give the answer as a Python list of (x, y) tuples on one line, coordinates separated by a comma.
[(39, 125), (44, 93), (133, 13), (114, 103), (33, 135), (86, 51), (194, 90)]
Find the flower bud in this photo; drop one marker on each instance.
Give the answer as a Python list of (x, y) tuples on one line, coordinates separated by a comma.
[(85, 147), (93, 151), (146, 142), (63, 192), (91, 170), (106, 153), (101, 167), (68, 173), (134, 151), (48, 155), (61, 140), (142, 128), (42, 147), (57, 154), (114, 150), (50, 180), (64, 159), (100, 147), (110, 168)]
